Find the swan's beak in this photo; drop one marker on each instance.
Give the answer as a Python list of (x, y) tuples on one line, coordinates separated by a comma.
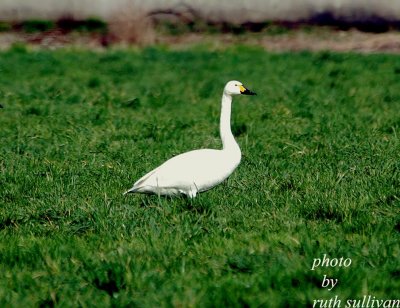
[(246, 91)]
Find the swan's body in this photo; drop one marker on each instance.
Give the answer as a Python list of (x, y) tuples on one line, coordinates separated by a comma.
[(198, 170), (189, 173)]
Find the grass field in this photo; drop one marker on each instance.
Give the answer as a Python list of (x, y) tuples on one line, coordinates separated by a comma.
[(320, 174)]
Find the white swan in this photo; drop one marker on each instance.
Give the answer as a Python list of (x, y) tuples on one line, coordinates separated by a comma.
[(198, 170)]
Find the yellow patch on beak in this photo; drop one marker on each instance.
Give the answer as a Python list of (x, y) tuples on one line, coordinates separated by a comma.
[(242, 89)]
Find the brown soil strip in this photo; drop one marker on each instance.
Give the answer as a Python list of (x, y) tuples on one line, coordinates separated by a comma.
[(316, 40)]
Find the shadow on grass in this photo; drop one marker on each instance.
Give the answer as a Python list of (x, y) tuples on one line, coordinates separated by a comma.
[(181, 203)]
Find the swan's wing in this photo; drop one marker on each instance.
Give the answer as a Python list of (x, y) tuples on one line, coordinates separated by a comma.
[(145, 177), (176, 171)]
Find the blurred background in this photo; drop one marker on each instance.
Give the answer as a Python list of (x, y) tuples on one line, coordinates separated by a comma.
[(363, 25)]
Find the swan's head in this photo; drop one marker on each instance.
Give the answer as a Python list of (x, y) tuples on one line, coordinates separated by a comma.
[(236, 87)]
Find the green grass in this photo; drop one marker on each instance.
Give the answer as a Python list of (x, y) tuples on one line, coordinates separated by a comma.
[(37, 25), (320, 174)]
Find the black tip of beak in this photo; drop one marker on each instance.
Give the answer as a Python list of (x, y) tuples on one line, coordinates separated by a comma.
[(248, 92)]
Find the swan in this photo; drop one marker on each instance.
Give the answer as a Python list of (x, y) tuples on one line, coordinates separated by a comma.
[(198, 170)]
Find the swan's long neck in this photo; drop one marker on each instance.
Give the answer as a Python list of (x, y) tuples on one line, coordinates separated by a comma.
[(228, 141)]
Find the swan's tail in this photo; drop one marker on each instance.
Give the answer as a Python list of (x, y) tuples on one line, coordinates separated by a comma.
[(139, 184)]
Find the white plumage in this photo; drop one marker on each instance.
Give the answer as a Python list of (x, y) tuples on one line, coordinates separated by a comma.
[(198, 170)]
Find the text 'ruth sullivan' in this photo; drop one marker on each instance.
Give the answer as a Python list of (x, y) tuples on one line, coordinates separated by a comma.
[(367, 301)]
